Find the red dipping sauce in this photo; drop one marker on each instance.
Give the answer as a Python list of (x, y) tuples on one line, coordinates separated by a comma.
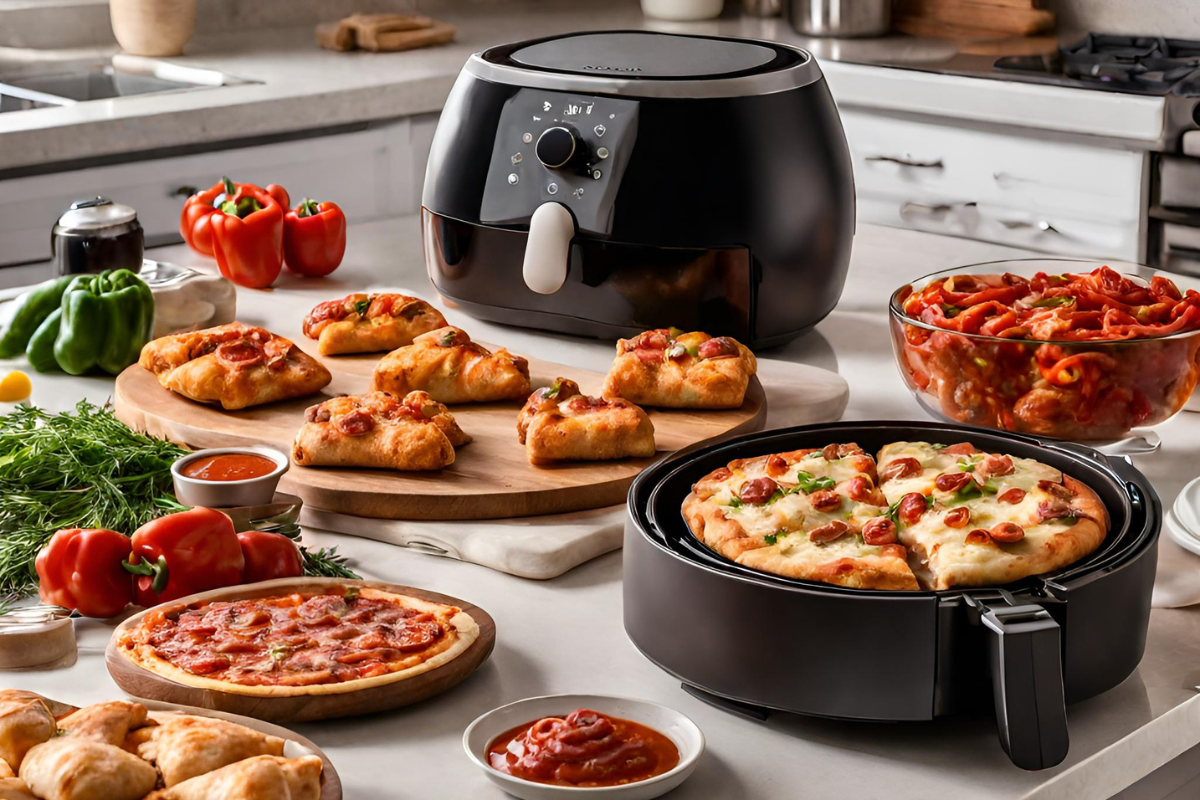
[(585, 749), (228, 467)]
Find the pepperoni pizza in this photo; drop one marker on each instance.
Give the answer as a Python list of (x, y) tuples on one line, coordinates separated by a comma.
[(926, 516), (370, 323), (668, 368), (559, 423)]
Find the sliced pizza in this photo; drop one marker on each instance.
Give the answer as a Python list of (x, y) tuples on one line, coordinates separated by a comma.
[(453, 369), (974, 518), (235, 365), (668, 368), (810, 514), (558, 423), (378, 430), (370, 323), (328, 641)]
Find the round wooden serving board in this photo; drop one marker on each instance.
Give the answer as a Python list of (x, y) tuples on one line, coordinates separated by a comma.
[(491, 478), (142, 683)]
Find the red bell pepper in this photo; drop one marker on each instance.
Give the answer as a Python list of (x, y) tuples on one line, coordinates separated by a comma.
[(81, 569), (314, 238), (181, 554), (269, 556), (248, 238), (194, 220)]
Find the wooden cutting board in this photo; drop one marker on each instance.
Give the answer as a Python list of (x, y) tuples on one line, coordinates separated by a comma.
[(491, 478), (142, 683)]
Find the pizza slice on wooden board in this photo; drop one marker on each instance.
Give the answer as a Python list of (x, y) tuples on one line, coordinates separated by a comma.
[(559, 423), (370, 323), (234, 365), (668, 368), (809, 514), (453, 369), (378, 430), (976, 519)]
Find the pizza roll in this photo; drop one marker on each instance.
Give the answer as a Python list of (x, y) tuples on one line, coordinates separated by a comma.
[(370, 323), (453, 369), (185, 746), (108, 723), (378, 430), (15, 789), (673, 369), (582, 428), (235, 365), (257, 778), (25, 721), (69, 768)]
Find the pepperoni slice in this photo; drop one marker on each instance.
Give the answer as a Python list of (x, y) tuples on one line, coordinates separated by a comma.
[(825, 500), (859, 488), (1055, 508), (720, 474), (829, 532), (330, 309), (951, 481), (960, 449), (830, 452), (776, 465), (241, 354), (1011, 496), (912, 507), (978, 536), (356, 423), (1056, 489), (957, 517), (758, 491), (317, 413), (1007, 532), (879, 531), (720, 347), (994, 466), (580, 403), (649, 356), (899, 469)]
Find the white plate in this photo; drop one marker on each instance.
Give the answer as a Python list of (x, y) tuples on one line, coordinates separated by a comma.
[(678, 728), (1177, 533)]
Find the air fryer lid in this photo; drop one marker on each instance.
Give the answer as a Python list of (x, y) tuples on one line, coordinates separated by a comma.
[(643, 55)]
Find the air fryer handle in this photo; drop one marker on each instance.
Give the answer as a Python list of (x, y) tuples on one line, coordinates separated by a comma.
[(548, 248), (1027, 681)]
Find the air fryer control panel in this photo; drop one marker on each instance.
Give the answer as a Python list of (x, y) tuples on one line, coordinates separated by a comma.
[(557, 147)]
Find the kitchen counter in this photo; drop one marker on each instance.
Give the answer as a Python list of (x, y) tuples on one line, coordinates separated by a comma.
[(298, 87), (565, 635)]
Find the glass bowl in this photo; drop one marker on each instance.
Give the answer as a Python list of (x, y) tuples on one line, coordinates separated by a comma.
[(1103, 391)]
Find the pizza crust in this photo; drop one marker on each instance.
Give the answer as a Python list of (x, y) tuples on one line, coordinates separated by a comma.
[(569, 426), (686, 382), (461, 632)]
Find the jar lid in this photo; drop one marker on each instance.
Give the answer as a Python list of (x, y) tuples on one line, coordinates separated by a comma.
[(96, 213)]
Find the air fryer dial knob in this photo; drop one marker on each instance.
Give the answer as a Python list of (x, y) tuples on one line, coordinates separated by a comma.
[(559, 147)]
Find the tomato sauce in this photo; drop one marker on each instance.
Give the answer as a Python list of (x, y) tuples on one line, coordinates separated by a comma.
[(585, 748), (229, 467)]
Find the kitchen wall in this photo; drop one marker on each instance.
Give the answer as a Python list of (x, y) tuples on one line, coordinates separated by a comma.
[(1175, 18)]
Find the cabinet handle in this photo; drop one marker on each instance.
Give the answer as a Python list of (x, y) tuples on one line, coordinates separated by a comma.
[(909, 208), (908, 162), (1041, 225), (184, 191)]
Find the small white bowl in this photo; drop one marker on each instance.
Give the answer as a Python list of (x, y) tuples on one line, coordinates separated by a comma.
[(226, 494), (686, 735)]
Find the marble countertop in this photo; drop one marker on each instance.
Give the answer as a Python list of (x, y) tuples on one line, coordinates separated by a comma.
[(565, 635), (293, 85)]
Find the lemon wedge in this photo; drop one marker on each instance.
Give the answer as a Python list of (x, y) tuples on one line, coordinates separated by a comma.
[(15, 387)]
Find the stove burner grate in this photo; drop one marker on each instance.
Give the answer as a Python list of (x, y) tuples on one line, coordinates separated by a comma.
[(1149, 62)]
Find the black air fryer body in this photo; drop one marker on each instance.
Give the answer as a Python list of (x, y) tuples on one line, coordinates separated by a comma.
[(768, 642), (687, 181)]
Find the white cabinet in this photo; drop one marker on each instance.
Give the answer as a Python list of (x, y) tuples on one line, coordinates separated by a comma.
[(1045, 194), (372, 173)]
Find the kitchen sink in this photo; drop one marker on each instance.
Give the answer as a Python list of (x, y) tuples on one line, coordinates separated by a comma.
[(124, 77)]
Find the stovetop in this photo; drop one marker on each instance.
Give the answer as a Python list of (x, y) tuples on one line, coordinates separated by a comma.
[(1146, 65)]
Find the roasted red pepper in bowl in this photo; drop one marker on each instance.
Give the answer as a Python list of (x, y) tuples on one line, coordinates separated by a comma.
[(81, 569), (181, 554), (195, 219), (247, 236), (314, 238)]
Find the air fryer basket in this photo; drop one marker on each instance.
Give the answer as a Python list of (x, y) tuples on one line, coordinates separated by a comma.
[(1046, 640)]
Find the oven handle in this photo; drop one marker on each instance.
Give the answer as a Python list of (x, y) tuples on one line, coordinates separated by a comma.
[(1025, 648)]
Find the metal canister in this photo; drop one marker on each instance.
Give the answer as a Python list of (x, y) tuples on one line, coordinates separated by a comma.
[(97, 234), (840, 18)]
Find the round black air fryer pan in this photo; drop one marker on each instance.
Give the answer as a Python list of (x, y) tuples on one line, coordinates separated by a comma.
[(752, 641)]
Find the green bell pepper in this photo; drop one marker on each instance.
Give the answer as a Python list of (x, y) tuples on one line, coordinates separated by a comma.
[(23, 315), (106, 320), (40, 350)]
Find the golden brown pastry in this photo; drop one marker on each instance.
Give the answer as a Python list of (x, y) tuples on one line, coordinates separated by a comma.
[(15, 789), (370, 323), (258, 778), (581, 428), (184, 747), (25, 721), (453, 369), (6, 771), (70, 768), (378, 430), (668, 368), (108, 722), (235, 365)]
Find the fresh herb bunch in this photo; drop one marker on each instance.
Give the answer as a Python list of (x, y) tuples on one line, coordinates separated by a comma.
[(81, 470)]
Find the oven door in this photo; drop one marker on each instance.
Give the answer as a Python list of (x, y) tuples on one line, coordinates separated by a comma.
[(1174, 231)]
